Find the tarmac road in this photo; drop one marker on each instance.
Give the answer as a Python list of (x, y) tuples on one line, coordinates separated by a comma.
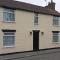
[(53, 54)]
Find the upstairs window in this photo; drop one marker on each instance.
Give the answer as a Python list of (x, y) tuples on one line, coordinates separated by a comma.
[(9, 38), (8, 15), (55, 36), (36, 19), (55, 21)]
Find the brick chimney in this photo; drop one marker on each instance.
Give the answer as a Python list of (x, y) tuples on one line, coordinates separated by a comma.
[(51, 5)]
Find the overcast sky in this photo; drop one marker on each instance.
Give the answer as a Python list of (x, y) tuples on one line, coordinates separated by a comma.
[(43, 3)]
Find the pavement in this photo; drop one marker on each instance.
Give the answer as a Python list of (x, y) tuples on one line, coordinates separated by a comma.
[(53, 54)]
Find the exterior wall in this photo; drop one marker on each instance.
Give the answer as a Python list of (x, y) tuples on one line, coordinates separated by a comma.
[(46, 26), (23, 25)]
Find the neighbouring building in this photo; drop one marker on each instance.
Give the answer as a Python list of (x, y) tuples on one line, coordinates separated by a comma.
[(28, 27)]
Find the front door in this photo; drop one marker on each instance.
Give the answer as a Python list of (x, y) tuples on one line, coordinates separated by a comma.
[(35, 40)]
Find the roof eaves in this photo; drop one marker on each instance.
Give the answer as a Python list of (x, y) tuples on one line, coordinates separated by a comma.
[(27, 7)]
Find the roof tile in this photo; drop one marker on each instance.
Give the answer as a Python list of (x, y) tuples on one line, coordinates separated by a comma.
[(29, 7)]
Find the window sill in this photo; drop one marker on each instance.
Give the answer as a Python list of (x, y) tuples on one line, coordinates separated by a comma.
[(56, 26), (55, 43), (9, 21), (36, 24), (9, 46)]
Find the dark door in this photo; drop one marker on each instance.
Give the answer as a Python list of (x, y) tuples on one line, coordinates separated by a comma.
[(35, 40)]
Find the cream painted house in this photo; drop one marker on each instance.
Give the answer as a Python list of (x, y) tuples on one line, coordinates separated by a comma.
[(27, 27)]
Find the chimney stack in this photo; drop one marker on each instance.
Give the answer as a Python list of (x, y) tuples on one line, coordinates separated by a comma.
[(51, 5)]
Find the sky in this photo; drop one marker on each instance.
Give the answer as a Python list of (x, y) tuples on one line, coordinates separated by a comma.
[(43, 3)]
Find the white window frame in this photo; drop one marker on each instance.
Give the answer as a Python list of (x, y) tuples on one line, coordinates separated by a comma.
[(5, 45), (36, 18), (56, 20), (6, 18), (56, 35)]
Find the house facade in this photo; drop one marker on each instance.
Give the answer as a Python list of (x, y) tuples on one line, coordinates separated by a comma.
[(27, 27)]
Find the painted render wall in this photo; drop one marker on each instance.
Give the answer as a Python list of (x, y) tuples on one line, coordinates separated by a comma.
[(23, 25)]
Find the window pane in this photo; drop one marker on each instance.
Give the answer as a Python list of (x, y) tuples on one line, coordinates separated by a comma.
[(11, 33), (55, 37), (9, 15), (13, 17), (36, 18), (55, 20), (8, 39)]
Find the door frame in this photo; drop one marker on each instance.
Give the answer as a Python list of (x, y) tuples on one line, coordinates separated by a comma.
[(35, 41)]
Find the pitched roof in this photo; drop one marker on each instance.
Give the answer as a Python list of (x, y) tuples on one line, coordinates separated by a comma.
[(28, 7)]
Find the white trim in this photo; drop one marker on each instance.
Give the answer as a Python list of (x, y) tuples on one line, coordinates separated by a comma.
[(5, 16), (55, 18), (9, 46), (55, 34), (9, 21)]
